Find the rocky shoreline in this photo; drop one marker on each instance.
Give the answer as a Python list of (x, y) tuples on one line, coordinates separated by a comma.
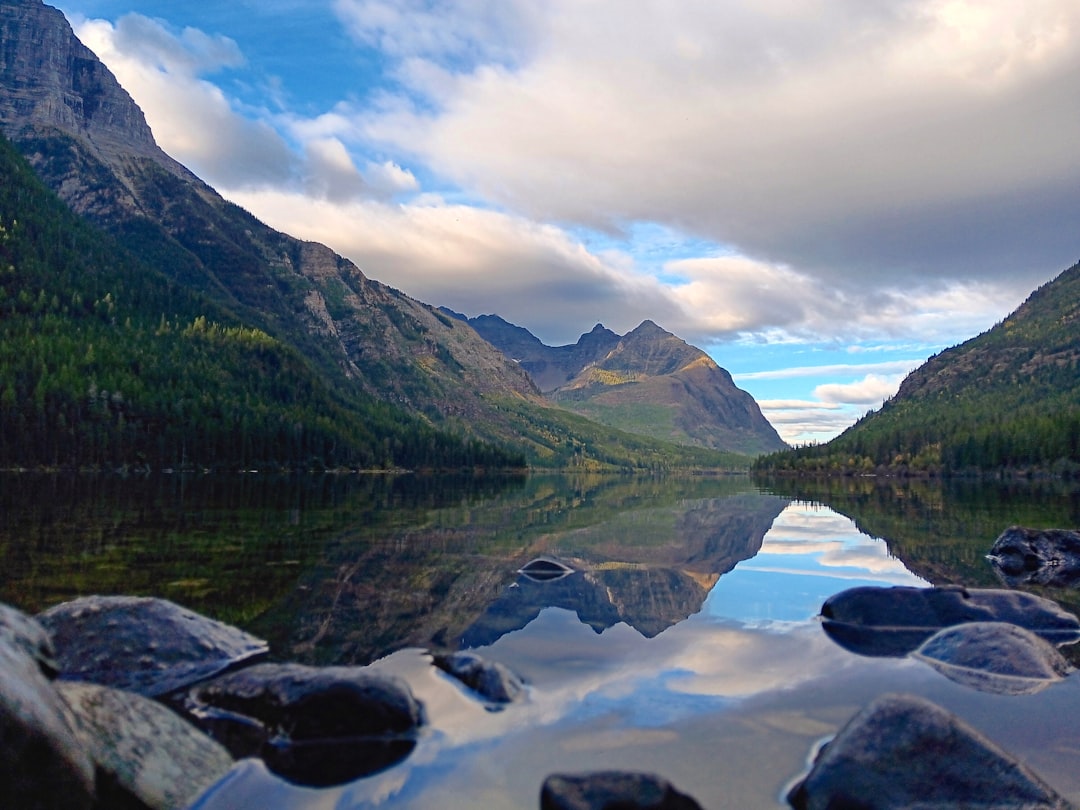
[(134, 702)]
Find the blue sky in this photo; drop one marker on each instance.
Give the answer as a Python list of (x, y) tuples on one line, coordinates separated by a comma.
[(819, 194)]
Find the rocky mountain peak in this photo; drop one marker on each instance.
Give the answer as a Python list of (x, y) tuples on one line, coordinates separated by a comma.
[(53, 81)]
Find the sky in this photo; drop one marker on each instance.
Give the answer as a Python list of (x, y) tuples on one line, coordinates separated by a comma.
[(819, 193)]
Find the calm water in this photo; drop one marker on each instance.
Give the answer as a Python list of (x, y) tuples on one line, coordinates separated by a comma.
[(684, 644)]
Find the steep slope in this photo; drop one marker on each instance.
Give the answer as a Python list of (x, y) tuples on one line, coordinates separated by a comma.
[(106, 363), (648, 382), (1009, 398), (89, 141)]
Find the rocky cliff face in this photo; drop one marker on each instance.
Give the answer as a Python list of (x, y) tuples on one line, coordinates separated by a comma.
[(649, 381), (89, 141)]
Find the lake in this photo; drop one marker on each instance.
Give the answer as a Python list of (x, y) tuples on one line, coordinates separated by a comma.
[(685, 642)]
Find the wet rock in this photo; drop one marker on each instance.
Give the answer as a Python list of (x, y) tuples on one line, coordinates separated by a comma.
[(141, 749), (612, 790), (879, 621), (313, 726), (144, 645), (994, 657), (1050, 557), (493, 681), (42, 764), (545, 569), (903, 751), (28, 635)]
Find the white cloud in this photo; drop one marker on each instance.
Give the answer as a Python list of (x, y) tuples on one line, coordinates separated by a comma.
[(873, 389)]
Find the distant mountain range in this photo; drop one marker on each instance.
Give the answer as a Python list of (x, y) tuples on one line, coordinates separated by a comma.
[(648, 381), (1006, 399), (195, 273)]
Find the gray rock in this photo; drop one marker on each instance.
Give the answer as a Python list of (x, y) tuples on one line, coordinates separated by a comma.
[(144, 645), (903, 751), (142, 749), (313, 726), (42, 765), (880, 621), (994, 657), (1050, 557), (612, 790), (27, 634), (493, 681)]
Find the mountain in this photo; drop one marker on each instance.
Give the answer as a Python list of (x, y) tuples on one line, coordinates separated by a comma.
[(648, 382), (1006, 399), (89, 142)]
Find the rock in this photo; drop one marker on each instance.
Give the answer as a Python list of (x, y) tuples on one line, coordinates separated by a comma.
[(42, 764), (612, 790), (1048, 557), (880, 621), (144, 645), (142, 749), (994, 657), (28, 635), (493, 681), (545, 569), (314, 726), (903, 751)]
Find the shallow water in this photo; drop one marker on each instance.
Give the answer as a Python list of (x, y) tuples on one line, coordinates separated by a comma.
[(686, 642)]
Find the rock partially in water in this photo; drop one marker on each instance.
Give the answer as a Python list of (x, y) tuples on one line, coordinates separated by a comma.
[(313, 726), (1049, 557), (994, 657), (879, 621), (494, 682), (612, 790), (903, 751), (545, 569), (42, 764), (141, 749), (144, 645)]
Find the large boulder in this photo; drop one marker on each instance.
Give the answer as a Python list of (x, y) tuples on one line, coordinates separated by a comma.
[(903, 751), (42, 764), (1050, 557), (144, 645), (612, 790), (313, 726), (994, 657), (880, 621), (141, 749)]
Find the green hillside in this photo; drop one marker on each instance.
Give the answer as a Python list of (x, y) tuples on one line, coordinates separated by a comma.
[(1008, 399), (106, 362)]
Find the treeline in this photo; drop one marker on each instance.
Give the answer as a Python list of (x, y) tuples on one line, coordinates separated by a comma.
[(105, 362), (1005, 401)]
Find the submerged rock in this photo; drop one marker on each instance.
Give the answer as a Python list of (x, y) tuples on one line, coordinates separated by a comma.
[(314, 726), (42, 764), (612, 790), (994, 657), (144, 645), (903, 751), (142, 749), (1050, 557), (880, 621), (493, 681)]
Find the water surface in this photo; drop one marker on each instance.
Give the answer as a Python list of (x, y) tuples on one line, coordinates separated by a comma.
[(685, 642)]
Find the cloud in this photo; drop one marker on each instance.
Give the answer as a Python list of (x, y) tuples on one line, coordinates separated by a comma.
[(873, 389), (855, 141)]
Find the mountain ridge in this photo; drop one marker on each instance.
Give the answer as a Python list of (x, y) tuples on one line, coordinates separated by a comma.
[(648, 381)]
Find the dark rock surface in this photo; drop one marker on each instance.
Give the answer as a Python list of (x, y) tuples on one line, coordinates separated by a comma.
[(493, 681), (141, 749), (903, 751), (42, 764), (144, 645), (313, 726), (1049, 557), (994, 657), (612, 790), (880, 621)]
